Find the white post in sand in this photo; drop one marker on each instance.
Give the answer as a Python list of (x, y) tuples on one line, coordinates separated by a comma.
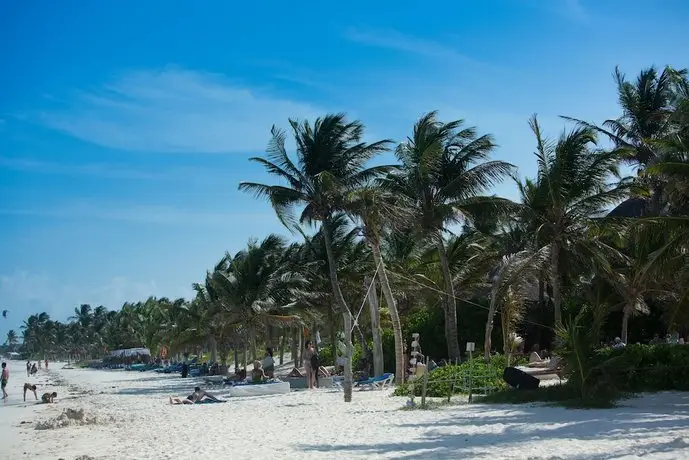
[(471, 346), (413, 354)]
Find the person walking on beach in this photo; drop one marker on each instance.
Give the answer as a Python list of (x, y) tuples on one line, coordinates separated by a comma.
[(46, 364), (28, 368), (4, 378), (306, 356), (30, 387)]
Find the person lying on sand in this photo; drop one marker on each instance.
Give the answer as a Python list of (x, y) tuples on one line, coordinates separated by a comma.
[(30, 387), (48, 398), (196, 397), (295, 373)]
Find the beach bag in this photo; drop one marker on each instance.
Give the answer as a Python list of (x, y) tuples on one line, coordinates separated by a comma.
[(315, 362)]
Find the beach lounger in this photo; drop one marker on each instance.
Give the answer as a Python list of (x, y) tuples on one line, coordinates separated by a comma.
[(376, 383), (214, 379)]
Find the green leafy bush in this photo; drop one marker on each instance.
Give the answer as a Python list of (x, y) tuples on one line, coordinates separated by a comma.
[(326, 356), (442, 380), (649, 367)]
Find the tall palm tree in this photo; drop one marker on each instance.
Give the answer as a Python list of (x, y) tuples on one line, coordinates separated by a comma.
[(256, 287), (571, 192), (331, 161), (379, 210), (647, 110), (445, 170), (12, 339)]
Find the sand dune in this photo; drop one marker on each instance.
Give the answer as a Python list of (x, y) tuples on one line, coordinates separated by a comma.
[(126, 415)]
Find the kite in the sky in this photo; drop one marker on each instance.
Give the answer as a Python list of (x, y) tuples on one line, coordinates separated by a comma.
[(4, 313)]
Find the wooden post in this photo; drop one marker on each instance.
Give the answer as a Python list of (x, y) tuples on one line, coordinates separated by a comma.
[(470, 348), (424, 386)]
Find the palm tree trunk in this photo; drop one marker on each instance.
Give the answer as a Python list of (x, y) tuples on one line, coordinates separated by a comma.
[(375, 328), (282, 348), (236, 359), (295, 347), (342, 304), (213, 345), (487, 339), (333, 335), (625, 322), (555, 280), (450, 305), (394, 314)]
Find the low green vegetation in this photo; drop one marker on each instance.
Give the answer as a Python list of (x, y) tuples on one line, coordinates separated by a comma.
[(455, 379)]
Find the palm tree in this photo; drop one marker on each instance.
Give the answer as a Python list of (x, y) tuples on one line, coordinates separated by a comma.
[(444, 172), (12, 339), (514, 283), (378, 210), (647, 108), (571, 192), (331, 161), (256, 287)]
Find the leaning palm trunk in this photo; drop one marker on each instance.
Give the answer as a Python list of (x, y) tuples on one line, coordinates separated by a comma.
[(213, 344), (487, 339), (339, 299), (375, 328), (449, 304), (394, 314)]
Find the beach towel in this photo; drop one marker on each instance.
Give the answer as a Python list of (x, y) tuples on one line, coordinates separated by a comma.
[(209, 401)]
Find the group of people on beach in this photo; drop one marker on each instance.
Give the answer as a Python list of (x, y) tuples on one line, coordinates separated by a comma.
[(5, 378)]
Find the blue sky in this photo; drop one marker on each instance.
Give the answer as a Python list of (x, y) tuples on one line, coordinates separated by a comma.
[(126, 126)]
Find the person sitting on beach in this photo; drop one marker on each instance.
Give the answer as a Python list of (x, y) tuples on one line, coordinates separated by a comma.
[(257, 375), (196, 397), (48, 398), (295, 373), (30, 387), (268, 363)]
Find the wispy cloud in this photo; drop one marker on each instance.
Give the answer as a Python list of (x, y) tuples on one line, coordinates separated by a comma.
[(102, 170), (159, 215), (576, 11), (395, 40), (29, 292), (174, 110)]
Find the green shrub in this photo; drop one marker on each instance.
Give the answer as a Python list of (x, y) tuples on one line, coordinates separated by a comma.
[(649, 367), (325, 354), (442, 379)]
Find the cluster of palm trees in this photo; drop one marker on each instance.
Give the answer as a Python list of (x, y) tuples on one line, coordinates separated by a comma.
[(426, 232)]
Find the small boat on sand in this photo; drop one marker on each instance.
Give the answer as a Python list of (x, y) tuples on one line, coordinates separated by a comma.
[(259, 389)]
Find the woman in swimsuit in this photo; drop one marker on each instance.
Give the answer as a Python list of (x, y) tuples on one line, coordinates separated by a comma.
[(30, 387), (196, 397)]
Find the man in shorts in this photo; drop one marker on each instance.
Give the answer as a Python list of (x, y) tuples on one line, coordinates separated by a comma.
[(4, 378)]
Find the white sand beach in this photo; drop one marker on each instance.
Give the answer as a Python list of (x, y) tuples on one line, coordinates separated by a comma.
[(126, 415)]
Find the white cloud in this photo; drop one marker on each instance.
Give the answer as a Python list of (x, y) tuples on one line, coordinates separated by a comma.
[(159, 215), (25, 293), (102, 170), (175, 110), (395, 40), (576, 11)]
